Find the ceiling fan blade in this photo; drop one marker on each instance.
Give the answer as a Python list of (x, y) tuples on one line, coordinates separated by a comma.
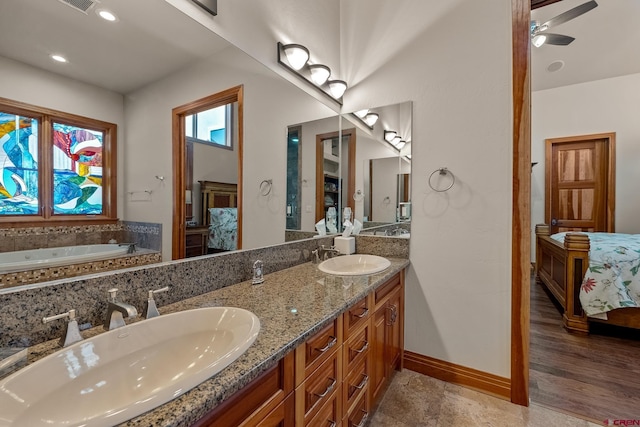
[(558, 39), (570, 14)]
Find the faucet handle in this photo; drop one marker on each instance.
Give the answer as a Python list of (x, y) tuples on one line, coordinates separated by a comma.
[(112, 294), (151, 309), (72, 330)]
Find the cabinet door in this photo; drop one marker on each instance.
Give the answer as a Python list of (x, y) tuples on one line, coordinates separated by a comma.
[(394, 331), (281, 416), (377, 348)]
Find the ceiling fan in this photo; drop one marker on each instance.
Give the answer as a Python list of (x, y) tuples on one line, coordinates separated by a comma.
[(539, 36)]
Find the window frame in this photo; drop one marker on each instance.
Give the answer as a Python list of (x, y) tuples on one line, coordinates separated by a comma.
[(229, 120), (46, 117)]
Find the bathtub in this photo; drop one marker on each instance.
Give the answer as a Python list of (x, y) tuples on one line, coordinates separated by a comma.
[(53, 257)]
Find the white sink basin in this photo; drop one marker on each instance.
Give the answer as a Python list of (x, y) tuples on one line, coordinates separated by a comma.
[(123, 373), (354, 265)]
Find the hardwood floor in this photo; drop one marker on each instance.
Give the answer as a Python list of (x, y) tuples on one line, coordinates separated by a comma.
[(596, 377)]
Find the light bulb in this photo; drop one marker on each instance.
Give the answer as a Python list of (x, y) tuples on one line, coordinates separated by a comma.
[(337, 88), (319, 73), (389, 135), (400, 145), (362, 113), (538, 40), (371, 119), (297, 55)]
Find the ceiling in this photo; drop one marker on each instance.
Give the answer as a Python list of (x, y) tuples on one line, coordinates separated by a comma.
[(606, 44), (151, 40)]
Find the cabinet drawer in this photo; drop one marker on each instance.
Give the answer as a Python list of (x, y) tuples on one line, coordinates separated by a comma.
[(356, 348), (320, 387), (356, 316), (318, 348), (329, 415), (386, 289), (356, 384), (359, 414)]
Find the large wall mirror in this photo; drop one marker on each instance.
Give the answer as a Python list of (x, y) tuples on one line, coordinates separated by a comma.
[(333, 164)]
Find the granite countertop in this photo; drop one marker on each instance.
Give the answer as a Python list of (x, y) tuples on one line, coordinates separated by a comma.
[(300, 288)]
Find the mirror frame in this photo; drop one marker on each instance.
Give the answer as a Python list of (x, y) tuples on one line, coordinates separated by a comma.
[(234, 94)]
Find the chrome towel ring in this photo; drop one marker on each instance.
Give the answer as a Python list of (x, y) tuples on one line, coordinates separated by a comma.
[(441, 172), (265, 187)]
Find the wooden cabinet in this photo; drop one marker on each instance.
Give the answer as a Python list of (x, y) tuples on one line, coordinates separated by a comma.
[(334, 378), (387, 335), (196, 241), (266, 401)]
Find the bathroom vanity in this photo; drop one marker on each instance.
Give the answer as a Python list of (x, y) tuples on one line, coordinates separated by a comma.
[(325, 351), (335, 377)]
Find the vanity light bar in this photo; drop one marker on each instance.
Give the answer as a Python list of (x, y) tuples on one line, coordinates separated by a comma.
[(295, 58)]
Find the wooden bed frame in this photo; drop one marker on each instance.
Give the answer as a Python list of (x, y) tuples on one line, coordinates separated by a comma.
[(216, 195), (561, 269)]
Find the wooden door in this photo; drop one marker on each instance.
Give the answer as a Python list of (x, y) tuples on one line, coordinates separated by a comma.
[(580, 183)]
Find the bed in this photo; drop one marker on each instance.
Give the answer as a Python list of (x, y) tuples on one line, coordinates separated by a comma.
[(604, 288), (218, 203)]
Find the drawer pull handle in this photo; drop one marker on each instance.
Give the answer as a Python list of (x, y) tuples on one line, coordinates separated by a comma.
[(390, 320), (364, 347), (363, 421), (332, 423), (331, 343), (363, 314), (363, 383), (328, 390)]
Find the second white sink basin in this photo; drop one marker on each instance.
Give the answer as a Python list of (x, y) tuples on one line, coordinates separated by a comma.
[(123, 373), (354, 265)]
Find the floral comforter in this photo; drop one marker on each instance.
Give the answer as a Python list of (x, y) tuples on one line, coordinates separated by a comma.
[(612, 279), (223, 228)]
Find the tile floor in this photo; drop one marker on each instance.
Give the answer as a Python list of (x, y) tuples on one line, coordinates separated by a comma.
[(415, 400)]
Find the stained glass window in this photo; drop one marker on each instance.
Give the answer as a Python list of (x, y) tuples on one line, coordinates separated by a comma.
[(18, 165), (77, 170), (55, 166)]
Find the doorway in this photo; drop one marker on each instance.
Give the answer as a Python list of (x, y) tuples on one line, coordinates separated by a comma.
[(580, 183), (181, 187)]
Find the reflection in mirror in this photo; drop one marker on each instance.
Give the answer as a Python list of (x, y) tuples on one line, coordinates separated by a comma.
[(371, 176)]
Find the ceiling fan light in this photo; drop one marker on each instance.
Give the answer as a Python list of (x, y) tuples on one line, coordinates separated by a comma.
[(337, 88), (362, 113), (389, 135), (371, 119), (538, 40), (297, 55), (319, 73)]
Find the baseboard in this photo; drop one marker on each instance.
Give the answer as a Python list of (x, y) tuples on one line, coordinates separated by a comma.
[(456, 374)]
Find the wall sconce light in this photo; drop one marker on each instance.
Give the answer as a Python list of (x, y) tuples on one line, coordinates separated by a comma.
[(389, 135), (362, 113), (400, 145), (297, 55), (371, 119), (319, 73), (295, 58)]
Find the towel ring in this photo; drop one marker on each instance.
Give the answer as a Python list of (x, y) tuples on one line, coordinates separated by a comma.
[(442, 171), (358, 195), (386, 200), (265, 187)]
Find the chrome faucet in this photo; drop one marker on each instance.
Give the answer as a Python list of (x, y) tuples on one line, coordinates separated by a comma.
[(116, 312), (258, 273), (151, 309), (325, 252), (72, 331), (131, 247)]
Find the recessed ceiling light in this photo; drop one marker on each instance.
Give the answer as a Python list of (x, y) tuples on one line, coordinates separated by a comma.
[(106, 15), (555, 66), (59, 58)]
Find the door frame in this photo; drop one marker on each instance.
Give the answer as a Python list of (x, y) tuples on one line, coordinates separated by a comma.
[(521, 200), (178, 114), (610, 150)]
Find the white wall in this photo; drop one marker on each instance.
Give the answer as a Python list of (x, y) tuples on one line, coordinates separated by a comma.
[(34, 86), (267, 113), (609, 105), (385, 184), (459, 283)]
